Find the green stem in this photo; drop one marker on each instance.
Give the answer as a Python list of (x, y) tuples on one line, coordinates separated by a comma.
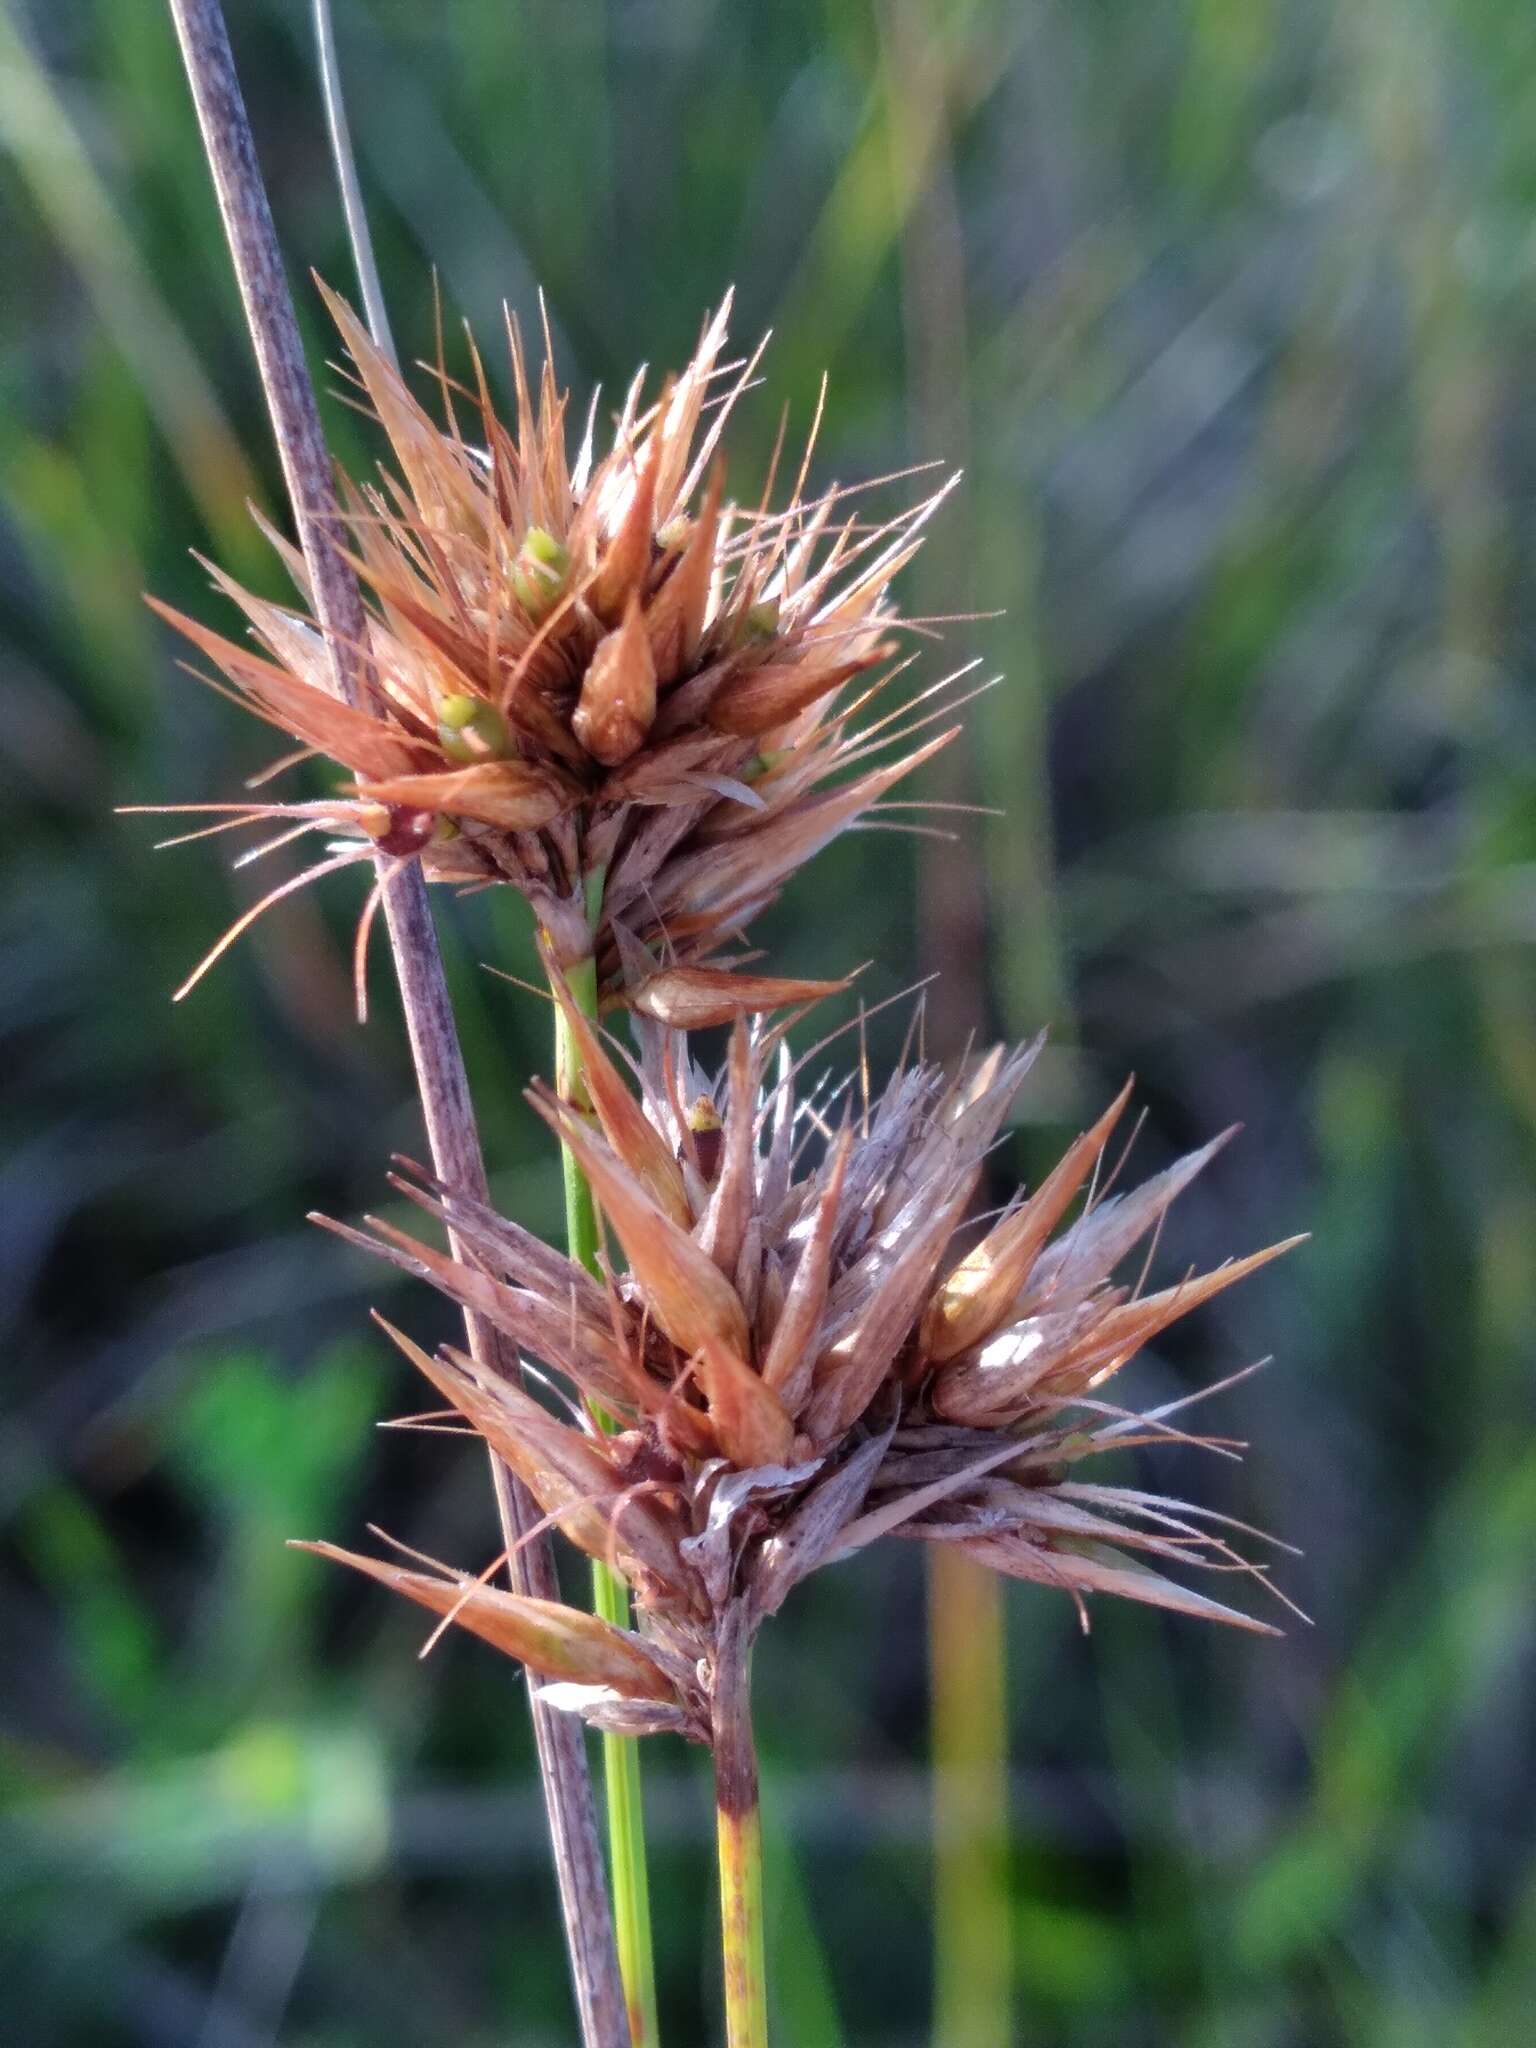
[(972, 1931), (610, 1595), (581, 1232), (626, 1843), (739, 1832)]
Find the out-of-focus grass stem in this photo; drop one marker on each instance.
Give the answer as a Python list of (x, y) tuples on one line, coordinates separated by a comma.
[(342, 154), (973, 1960), (36, 128)]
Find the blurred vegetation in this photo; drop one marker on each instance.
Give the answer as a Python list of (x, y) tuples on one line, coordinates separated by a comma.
[(1228, 311)]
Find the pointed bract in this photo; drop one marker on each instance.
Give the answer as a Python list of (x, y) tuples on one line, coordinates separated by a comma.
[(556, 1641), (617, 704), (690, 1298), (975, 1299)]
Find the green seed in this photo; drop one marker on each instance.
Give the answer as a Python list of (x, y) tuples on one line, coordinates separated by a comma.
[(469, 729), (539, 572), (762, 619)]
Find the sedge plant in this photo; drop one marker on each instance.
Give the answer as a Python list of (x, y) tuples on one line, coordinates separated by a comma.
[(594, 679), (800, 1361)]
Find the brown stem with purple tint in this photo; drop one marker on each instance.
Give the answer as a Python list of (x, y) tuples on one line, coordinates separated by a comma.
[(434, 1042)]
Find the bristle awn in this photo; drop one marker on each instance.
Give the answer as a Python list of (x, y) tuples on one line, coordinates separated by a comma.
[(249, 917), (441, 1080), (610, 1596)]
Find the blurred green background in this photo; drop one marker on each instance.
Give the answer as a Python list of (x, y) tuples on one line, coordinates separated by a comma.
[(1229, 311)]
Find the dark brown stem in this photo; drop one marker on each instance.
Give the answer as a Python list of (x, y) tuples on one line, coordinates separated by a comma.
[(440, 1076), (731, 1713), (739, 1835)]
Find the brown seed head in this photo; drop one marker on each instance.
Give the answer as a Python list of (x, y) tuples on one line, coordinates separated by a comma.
[(801, 1360), (610, 682)]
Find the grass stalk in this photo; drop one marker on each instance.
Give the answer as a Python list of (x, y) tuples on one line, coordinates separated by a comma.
[(452, 1134), (610, 1596), (972, 1937), (739, 1833)]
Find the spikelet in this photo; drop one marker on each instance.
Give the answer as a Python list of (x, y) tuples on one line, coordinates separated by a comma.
[(802, 1361), (592, 679)]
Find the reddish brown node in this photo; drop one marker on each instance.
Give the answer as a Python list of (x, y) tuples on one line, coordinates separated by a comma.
[(406, 831)]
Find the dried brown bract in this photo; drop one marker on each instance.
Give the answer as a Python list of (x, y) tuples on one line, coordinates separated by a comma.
[(801, 1361), (596, 680)]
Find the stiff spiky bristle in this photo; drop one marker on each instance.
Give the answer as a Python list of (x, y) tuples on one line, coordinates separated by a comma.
[(801, 1361), (593, 681)]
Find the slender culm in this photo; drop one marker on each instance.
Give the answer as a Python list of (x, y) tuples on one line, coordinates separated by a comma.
[(439, 1067), (739, 1831)]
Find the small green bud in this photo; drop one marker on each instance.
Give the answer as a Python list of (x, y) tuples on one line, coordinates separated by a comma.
[(543, 547), (762, 619), (539, 572), (469, 729), (673, 537)]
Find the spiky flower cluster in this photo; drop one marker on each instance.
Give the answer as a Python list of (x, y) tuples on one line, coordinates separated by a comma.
[(800, 1362), (596, 681)]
